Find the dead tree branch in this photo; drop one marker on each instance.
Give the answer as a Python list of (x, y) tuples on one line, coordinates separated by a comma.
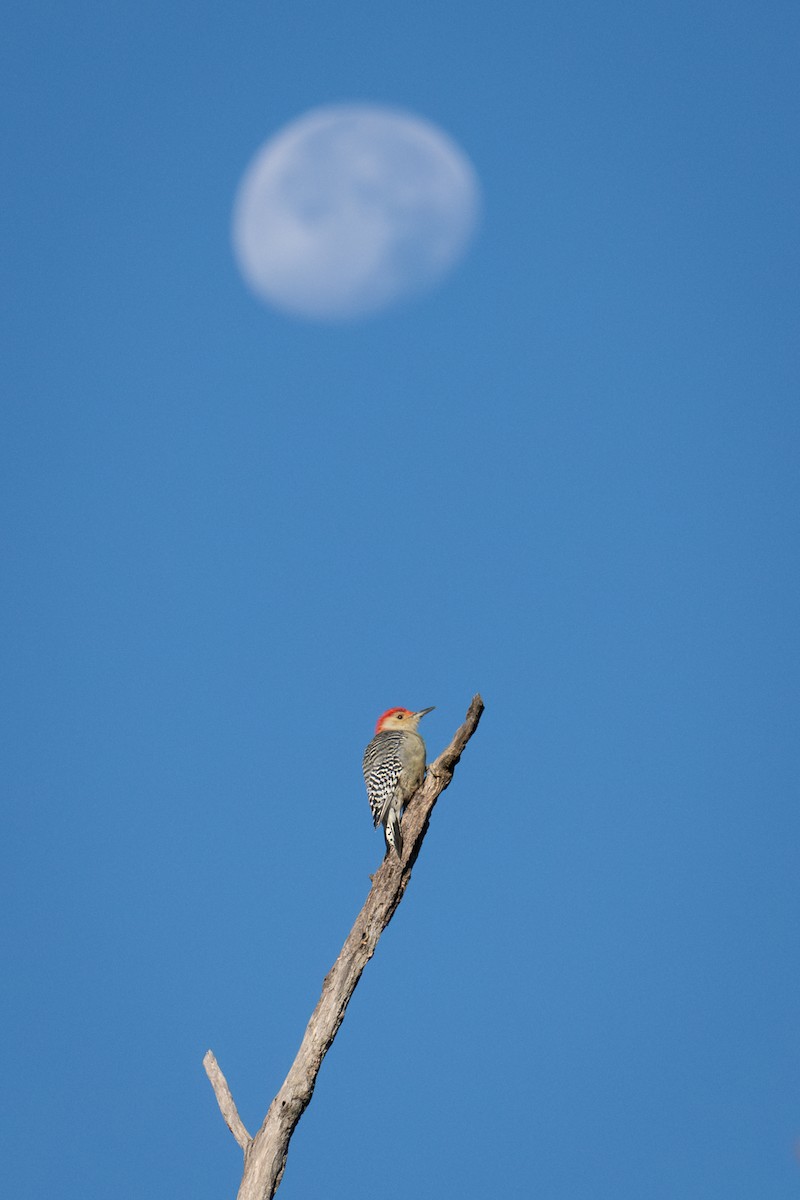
[(225, 1100), (265, 1154)]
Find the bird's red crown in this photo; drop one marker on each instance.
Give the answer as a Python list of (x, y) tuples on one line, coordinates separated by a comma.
[(390, 712)]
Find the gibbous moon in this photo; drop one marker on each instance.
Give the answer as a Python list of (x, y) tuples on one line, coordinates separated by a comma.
[(350, 208)]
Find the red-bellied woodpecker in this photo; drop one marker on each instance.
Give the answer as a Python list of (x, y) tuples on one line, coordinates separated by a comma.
[(394, 767)]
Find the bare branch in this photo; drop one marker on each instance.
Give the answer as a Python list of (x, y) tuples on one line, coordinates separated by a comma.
[(265, 1155), (225, 1100)]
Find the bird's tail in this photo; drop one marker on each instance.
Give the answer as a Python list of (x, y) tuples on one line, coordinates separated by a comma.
[(394, 838)]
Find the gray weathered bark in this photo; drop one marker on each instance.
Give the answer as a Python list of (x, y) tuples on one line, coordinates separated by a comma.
[(265, 1154)]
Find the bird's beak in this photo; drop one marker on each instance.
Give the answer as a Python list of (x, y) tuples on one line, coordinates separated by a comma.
[(422, 711)]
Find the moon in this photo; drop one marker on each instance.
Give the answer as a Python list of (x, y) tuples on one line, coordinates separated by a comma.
[(351, 208)]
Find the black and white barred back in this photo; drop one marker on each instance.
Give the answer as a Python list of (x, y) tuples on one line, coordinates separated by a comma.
[(382, 769)]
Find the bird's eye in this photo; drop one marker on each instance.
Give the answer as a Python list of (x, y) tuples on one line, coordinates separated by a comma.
[(400, 716)]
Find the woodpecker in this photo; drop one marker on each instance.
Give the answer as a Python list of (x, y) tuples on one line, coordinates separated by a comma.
[(394, 767)]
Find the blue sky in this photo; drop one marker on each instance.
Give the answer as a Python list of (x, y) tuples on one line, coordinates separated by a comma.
[(567, 478)]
